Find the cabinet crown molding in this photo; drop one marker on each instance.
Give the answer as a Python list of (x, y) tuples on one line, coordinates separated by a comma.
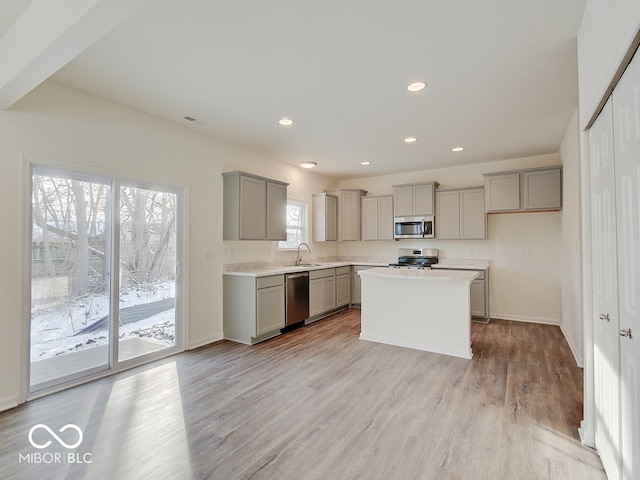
[(240, 173)]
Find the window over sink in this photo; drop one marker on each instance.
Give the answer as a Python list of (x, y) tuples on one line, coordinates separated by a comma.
[(297, 225)]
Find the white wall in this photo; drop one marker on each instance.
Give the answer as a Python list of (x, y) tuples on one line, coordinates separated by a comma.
[(522, 287), (55, 122), (571, 252), (607, 31)]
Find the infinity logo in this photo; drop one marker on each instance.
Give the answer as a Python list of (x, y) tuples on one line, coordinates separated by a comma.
[(58, 439)]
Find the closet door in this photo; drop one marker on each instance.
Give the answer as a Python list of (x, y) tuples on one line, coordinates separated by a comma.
[(605, 293), (626, 118)]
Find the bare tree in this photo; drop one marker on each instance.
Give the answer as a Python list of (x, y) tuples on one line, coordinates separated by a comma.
[(81, 275)]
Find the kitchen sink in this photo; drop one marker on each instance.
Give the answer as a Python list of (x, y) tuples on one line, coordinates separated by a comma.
[(309, 265)]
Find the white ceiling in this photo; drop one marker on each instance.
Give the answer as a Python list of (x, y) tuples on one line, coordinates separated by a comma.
[(501, 74)]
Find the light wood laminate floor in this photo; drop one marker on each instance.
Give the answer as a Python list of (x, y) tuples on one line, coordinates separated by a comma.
[(318, 403)]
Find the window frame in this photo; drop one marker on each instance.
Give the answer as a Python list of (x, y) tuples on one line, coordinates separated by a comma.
[(283, 246)]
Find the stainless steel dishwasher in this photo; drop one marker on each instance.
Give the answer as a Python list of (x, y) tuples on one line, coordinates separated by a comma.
[(297, 298)]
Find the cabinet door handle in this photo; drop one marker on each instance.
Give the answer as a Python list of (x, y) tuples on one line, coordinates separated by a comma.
[(626, 333), (604, 316)]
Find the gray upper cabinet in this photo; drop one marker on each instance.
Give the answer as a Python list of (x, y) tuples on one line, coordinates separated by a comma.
[(402, 201), (377, 218), (542, 189), (502, 192), (254, 207), (460, 214), (348, 212), (524, 190), (324, 224), (414, 199), (276, 211), (447, 216), (473, 219)]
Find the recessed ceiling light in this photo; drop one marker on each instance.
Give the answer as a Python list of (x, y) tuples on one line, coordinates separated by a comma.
[(457, 149), (308, 164), (365, 163), (416, 87), (285, 122), (410, 139)]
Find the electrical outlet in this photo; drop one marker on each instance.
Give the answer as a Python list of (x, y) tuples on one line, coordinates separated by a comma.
[(469, 251), (208, 255), (529, 252)]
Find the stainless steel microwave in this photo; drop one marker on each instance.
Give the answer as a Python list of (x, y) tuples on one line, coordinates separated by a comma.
[(413, 227)]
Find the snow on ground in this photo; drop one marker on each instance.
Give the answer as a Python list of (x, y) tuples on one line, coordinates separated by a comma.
[(53, 331)]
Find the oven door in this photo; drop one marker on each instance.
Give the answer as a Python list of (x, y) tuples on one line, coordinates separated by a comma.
[(408, 227)]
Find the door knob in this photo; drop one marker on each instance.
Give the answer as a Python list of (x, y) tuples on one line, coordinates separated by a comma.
[(604, 316), (626, 333)]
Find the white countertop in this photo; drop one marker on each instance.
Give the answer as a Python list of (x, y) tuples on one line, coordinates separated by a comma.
[(265, 270), (419, 274)]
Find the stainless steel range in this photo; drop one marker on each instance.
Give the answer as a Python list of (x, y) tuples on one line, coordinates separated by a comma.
[(416, 258)]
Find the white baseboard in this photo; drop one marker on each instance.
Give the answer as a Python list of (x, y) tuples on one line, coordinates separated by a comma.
[(206, 341), (466, 354), (8, 403), (544, 321), (586, 435), (520, 318), (579, 361)]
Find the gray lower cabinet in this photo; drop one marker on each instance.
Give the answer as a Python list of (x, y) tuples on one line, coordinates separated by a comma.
[(322, 291), (479, 291), (253, 308), (329, 291), (343, 286), (480, 297), (478, 302), (356, 284)]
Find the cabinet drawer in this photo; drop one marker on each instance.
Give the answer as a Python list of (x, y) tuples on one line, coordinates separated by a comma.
[(343, 270), (325, 272), (273, 281)]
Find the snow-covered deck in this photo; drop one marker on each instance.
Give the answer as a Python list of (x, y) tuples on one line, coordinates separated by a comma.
[(53, 368)]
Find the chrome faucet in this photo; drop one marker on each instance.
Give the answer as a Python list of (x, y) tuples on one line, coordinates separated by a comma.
[(298, 257)]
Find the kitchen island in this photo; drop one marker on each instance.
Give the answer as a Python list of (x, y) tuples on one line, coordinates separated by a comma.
[(422, 309)]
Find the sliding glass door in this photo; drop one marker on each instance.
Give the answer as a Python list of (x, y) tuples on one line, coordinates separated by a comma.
[(104, 284), (148, 265)]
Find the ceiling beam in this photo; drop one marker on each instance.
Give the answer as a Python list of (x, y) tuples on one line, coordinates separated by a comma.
[(48, 35)]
